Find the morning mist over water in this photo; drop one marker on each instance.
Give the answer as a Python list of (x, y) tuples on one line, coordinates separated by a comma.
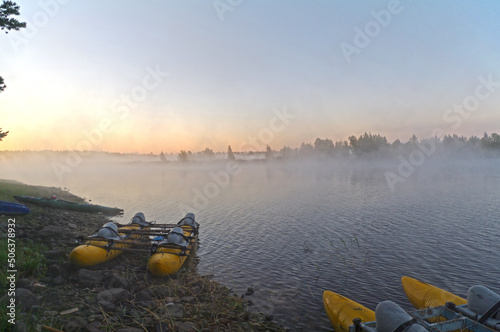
[(292, 228), (126, 115)]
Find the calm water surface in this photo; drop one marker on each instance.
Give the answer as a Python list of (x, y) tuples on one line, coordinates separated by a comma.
[(292, 230)]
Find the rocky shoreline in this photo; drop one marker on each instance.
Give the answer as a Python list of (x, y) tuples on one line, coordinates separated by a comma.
[(119, 295)]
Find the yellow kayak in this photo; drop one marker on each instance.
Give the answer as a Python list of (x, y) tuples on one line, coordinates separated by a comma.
[(341, 311), (92, 252), (423, 295), (171, 253)]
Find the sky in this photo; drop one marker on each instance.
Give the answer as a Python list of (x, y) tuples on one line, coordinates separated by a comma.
[(150, 76)]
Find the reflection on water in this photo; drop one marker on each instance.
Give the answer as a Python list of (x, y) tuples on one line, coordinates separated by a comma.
[(292, 230)]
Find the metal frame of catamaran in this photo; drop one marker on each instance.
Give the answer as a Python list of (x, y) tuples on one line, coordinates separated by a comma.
[(138, 245), (456, 318)]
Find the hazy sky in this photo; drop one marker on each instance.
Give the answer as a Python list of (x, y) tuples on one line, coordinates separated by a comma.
[(151, 76)]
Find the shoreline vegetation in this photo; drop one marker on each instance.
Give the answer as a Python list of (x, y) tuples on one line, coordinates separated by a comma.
[(119, 295), (367, 145)]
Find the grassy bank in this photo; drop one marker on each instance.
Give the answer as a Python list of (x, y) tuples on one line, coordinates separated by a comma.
[(30, 261), (9, 189), (29, 258)]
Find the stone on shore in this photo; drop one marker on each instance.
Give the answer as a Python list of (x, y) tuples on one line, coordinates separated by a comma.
[(186, 327), (76, 324), (54, 232), (26, 299), (113, 295), (119, 282), (89, 278), (172, 311)]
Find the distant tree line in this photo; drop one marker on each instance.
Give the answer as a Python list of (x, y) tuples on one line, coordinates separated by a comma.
[(206, 154), (367, 144)]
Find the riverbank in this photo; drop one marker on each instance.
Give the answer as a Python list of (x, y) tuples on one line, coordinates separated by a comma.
[(120, 295)]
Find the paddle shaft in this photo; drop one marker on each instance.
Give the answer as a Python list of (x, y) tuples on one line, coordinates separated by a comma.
[(139, 249), (152, 226)]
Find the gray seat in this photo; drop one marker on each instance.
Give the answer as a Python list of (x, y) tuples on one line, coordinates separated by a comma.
[(176, 236), (139, 219), (109, 231), (188, 220), (391, 317), (481, 299)]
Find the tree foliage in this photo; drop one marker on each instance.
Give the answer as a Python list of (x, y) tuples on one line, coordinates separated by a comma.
[(3, 134), (324, 146), (183, 156), (491, 142), (369, 143), (306, 150), (286, 152), (7, 22), (208, 153), (269, 154), (230, 154)]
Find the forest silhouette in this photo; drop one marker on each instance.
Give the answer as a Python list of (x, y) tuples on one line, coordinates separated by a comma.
[(365, 145)]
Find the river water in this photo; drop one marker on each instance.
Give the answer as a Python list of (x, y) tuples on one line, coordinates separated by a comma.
[(291, 230)]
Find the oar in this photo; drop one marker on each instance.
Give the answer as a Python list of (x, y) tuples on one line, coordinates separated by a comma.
[(140, 232), (121, 248), (150, 226), (127, 242), (140, 249), (101, 239), (144, 230)]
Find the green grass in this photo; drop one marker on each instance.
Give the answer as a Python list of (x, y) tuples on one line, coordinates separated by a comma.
[(4, 324), (3, 259), (30, 262)]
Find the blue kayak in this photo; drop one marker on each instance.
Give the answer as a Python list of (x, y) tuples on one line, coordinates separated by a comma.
[(13, 209)]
